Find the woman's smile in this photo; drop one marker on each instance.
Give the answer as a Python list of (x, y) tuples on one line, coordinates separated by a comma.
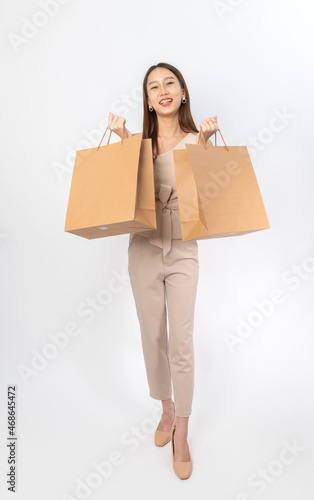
[(166, 102)]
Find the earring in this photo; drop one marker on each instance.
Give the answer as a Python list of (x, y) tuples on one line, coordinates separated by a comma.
[(183, 100), (150, 108)]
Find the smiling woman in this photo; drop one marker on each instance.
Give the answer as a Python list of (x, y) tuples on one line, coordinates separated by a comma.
[(164, 267), (161, 265), (164, 87)]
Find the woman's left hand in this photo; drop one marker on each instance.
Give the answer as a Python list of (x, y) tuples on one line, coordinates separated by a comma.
[(209, 127)]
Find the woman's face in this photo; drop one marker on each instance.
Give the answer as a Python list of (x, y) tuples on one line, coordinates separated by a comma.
[(162, 84)]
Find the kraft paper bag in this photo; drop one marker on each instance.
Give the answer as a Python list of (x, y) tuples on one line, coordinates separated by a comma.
[(218, 193), (112, 190)]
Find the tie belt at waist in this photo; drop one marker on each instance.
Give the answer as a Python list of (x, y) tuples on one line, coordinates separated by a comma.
[(164, 208)]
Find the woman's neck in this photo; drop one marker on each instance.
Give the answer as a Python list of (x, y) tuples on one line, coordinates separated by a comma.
[(169, 127)]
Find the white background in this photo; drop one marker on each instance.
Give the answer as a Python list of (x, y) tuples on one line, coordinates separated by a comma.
[(245, 61)]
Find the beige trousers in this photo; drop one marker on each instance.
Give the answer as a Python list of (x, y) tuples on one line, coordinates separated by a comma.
[(155, 278)]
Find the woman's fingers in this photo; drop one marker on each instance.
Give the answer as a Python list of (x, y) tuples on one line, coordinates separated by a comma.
[(209, 126), (212, 122), (115, 123)]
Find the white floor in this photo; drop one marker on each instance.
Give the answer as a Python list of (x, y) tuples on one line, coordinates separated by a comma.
[(250, 437)]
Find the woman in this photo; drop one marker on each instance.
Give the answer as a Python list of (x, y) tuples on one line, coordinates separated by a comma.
[(160, 263)]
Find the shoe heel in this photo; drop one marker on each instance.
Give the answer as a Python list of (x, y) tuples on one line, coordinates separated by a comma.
[(182, 469)]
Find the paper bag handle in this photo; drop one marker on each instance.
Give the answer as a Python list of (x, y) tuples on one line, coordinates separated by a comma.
[(123, 129), (215, 139)]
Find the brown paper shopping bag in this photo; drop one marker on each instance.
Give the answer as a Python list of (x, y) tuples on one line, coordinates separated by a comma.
[(218, 193), (112, 190)]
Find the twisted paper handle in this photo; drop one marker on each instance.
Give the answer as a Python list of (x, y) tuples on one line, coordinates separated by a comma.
[(123, 129), (215, 139)]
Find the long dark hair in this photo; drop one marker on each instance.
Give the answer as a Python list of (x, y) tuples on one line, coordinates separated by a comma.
[(150, 122)]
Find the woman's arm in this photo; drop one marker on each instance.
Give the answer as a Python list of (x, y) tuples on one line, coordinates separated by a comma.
[(115, 123), (209, 127), (209, 142)]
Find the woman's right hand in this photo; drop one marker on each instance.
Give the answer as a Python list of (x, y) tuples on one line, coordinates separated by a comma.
[(115, 123)]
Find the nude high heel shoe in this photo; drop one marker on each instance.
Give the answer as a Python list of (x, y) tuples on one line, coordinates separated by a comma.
[(182, 469), (163, 437)]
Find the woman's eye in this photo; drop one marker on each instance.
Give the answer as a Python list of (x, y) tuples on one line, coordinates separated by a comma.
[(156, 87)]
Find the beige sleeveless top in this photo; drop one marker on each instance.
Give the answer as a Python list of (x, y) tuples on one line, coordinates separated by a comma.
[(167, 208)]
